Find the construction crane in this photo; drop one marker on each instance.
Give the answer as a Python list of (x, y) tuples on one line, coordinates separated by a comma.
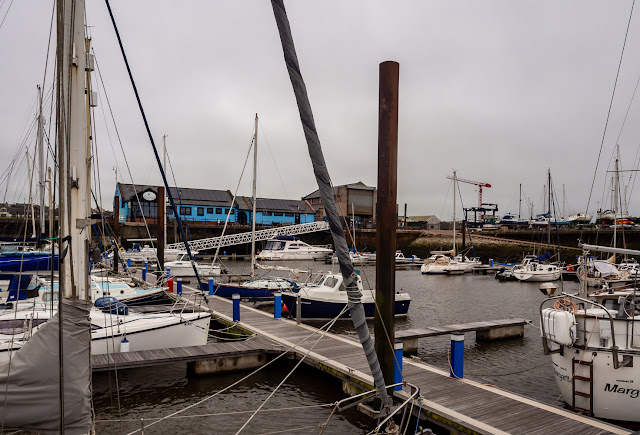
[(477, 183)]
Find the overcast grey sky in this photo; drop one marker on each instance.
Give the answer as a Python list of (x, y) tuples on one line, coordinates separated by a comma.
[(498, 90)]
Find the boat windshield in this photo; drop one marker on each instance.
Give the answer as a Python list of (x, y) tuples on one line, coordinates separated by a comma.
[(331, 281), (274, 245)]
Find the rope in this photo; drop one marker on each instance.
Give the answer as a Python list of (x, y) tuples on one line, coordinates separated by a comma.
[(290, 348), (565, 305), (344, 309)]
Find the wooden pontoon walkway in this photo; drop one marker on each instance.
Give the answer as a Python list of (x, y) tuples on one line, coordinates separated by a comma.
[(459, 405), (146, 358)]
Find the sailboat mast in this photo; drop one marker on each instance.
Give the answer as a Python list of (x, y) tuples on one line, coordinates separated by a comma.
[(520, 202), (455, 183), (30, 180), (164, 200), (41, 167), (73, 158), (253, 219), (549, 207)]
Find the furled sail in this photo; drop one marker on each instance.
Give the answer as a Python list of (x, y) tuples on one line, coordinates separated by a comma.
[(326, 192)]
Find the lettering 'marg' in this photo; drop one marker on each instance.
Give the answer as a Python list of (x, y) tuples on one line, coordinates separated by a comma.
[(633, 393)]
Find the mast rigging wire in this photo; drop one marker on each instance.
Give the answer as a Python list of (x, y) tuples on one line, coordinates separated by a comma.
[(615, 84), (153, 145)]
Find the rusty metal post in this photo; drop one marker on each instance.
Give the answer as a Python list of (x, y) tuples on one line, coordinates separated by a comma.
[(405, 216), (161, 222), (384, 326), (116, 232)]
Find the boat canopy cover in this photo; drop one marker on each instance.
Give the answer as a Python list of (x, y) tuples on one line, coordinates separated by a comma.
[(30, 380), (605, 268)]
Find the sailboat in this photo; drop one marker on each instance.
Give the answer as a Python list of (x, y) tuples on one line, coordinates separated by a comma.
[(262, 288), (446, 262), (72, 324)]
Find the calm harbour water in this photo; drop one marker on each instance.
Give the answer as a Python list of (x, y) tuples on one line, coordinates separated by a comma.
[(517, 365)]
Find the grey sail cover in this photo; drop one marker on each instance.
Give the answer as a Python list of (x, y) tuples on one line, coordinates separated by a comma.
[(29, 387)]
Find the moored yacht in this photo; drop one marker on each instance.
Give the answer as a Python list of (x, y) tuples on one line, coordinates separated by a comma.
[(532, 269), (327, 297), (291, 248), (182, 267), (594, 343)]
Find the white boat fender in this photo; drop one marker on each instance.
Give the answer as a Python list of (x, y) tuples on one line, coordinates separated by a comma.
[(124, 345), (559, 326)]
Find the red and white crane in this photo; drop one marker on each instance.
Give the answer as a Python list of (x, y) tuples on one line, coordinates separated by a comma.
[(477, 183)]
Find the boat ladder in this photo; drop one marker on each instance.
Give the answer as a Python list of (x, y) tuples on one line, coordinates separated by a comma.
[(585, 382)]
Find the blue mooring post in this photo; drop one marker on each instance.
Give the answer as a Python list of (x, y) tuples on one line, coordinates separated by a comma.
[(210, 286), (491, 262), (413, 258), (457, 356), (397, 368), (179, 286), (236, 307), (145, 270), (128, 263), (277, 305), (168, 272)]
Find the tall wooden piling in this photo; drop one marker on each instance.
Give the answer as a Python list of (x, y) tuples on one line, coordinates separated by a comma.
[(161, 222), (116, 232), (384, 325)]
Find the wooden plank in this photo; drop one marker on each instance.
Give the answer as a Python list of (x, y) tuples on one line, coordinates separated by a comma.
[(433, 331)]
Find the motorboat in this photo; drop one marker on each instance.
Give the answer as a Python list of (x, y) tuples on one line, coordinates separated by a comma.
[(445, 263), (356, 258), (532, 269), (594, 343), (540, 221), (182, 268), (291, 248), (327, 297), (580, 218)]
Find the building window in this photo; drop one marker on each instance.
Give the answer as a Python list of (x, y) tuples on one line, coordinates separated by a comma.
[(277, 213), (200, 211), (316, 200), (226, 211), (185, 211), (218, 211), (290, 214), (266, 213), (209, 210)]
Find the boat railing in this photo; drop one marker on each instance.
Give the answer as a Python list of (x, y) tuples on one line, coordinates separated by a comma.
[(547, 351)]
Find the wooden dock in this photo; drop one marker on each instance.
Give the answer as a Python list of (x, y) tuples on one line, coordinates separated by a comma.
[(253, 351), (461, 406), (489, 330)]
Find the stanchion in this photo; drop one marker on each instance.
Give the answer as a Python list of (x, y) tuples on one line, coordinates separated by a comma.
[(179, 285), (397, 371), (145, 270), (457, 356), (277, 305), (236, 307), (210, 286), (299, 309)]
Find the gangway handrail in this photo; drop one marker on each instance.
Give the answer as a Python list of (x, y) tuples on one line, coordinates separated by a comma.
[(237, 239)]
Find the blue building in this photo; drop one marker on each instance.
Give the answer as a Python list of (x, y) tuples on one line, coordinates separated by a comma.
[(204, 205)]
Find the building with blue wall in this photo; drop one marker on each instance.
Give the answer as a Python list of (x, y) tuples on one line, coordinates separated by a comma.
[(205, 205)]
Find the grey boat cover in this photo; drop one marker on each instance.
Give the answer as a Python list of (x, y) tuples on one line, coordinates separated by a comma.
[(29, 382)]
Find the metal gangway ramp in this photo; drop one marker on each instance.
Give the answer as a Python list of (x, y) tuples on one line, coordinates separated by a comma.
[(238, 239)]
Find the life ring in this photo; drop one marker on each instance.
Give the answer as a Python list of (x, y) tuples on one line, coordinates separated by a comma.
[(121, 249)]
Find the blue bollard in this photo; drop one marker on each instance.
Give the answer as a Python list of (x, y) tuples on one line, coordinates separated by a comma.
[(457, 356), (413, 258), (145, 270), (491, 262), (397, 366), (179, 280), (277, 305), (210, 286), (168, 272), (128, 263), (236, 307)]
